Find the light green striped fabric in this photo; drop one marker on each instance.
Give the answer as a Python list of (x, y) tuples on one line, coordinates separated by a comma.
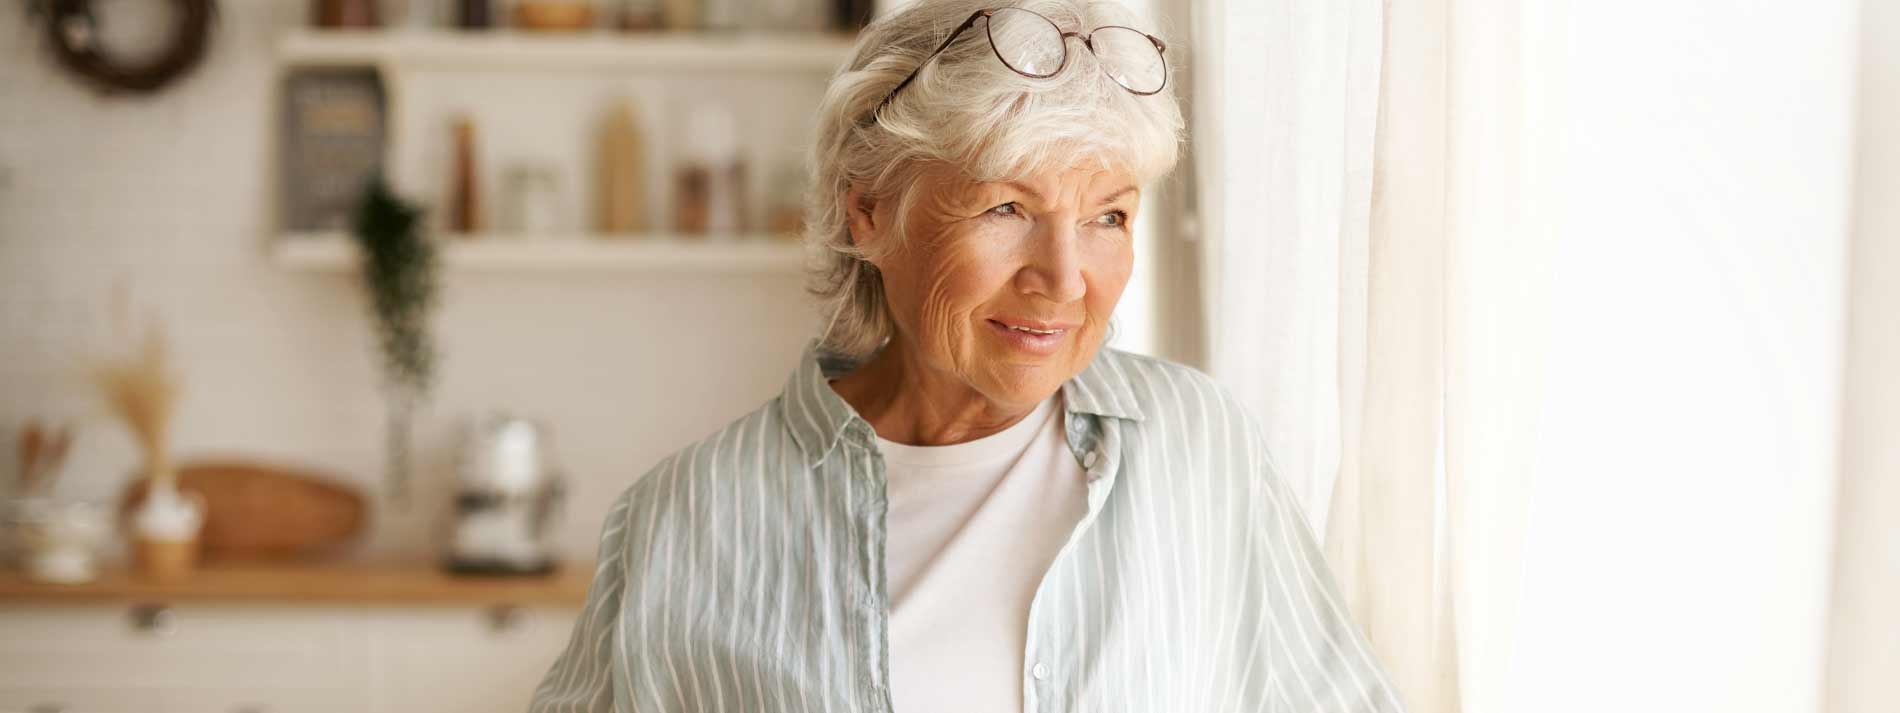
[(746, 571)]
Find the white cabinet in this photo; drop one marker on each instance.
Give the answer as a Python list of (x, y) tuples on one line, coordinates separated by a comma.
[(453, 660), (204, 658)]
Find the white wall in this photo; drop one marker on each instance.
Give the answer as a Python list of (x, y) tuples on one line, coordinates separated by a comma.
[(171, 195), (1678, 544)]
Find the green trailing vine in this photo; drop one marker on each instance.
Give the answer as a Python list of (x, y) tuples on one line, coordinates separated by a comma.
[(399, 274)]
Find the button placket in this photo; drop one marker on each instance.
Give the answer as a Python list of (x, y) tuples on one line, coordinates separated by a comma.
[(873, 601)]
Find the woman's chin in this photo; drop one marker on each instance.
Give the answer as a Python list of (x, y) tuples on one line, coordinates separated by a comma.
[(1025, 383)]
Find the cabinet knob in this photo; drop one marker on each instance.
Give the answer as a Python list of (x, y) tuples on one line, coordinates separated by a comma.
[(507, 619), (154, 619)]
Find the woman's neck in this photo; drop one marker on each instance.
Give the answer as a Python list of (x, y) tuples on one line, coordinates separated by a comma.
[(911, 403)]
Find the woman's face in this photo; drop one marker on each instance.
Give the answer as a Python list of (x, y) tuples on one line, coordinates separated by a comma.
[(1008, 286)]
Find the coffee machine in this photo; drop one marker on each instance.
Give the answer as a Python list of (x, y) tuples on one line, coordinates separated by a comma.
[(508, 499)]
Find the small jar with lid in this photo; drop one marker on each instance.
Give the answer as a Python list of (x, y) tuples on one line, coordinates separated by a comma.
[(534, 200), (710, 182)]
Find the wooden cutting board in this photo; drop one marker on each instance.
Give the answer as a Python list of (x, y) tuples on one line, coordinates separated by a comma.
[(258, 512)]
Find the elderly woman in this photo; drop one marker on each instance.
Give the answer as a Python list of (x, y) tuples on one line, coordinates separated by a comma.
[(962, 501)]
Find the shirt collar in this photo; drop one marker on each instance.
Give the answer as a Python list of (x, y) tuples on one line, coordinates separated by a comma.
[(818, 417)]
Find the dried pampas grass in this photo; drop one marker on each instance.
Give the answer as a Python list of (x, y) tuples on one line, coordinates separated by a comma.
[(142, 391)]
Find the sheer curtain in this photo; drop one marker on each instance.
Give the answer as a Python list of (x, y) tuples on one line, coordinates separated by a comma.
[(1863, 650), (1369, 194)]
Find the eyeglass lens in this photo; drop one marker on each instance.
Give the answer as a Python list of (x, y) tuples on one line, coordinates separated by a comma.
[(1029, 43), (1129, 58), (1032, 45)]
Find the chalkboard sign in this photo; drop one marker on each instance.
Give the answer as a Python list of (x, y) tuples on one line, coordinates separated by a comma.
[(334, 122)]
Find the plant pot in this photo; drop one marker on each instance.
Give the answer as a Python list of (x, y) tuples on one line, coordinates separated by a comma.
[(165, 531), (165, 560)]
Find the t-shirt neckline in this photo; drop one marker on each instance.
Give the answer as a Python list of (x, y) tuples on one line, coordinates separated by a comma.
[(1001, 445)]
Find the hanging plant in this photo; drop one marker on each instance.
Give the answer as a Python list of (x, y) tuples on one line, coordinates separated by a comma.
[(399, 273)]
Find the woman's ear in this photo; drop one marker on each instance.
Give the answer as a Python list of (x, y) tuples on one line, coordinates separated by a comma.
[(861, 210)]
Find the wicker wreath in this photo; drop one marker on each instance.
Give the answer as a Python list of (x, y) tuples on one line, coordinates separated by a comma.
[(73, 31)]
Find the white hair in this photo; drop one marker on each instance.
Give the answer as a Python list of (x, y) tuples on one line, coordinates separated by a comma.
[(968, 110)]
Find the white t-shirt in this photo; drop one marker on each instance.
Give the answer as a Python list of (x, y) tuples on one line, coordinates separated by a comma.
[(970, 531)]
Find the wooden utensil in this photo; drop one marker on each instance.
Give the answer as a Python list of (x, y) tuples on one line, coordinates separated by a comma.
[(29, 454), (42, 454), (264, 512), (52, 458)]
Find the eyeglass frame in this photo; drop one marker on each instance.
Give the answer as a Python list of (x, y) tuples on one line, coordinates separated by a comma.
[(1161, 50)]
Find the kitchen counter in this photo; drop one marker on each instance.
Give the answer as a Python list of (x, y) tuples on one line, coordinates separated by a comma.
[(369, 584)]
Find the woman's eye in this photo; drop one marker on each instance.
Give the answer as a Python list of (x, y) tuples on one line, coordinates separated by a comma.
[(1113, 219), (1005, 209)]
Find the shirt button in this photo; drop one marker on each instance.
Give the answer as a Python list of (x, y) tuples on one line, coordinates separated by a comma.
[(1088, 459), (1039, 671)]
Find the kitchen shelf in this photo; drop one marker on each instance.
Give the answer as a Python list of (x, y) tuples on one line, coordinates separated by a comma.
[(388, 583), (518, 50), (749, 253)]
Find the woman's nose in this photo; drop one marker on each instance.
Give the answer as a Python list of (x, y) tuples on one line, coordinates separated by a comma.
[(1054, 266)]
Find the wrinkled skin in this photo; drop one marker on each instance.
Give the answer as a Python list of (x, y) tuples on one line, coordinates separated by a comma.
[(1057, 247)]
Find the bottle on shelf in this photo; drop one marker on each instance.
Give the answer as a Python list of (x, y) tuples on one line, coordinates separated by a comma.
[(640, 15), (465, 192), (621, 179), (554, 15), (851, 15), (337, 14), (474, 14)]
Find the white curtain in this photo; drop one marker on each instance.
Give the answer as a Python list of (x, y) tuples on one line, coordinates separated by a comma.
[(1472, 259), (1382, 536), (1285, 94), (1863, 648), (1368, 199)]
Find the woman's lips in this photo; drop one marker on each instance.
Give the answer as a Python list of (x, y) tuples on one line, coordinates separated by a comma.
[(1045, 340)]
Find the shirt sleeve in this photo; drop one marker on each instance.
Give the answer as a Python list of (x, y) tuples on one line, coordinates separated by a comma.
[(584, 677), (1319, 660)]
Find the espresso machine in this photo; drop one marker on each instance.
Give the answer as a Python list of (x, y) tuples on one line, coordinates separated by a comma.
[(508, 498)]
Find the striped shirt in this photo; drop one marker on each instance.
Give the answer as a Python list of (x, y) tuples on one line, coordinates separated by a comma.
[(746, 572)]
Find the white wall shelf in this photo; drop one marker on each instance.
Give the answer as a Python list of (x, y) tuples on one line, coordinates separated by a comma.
[(334, 252), (600, 51)]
